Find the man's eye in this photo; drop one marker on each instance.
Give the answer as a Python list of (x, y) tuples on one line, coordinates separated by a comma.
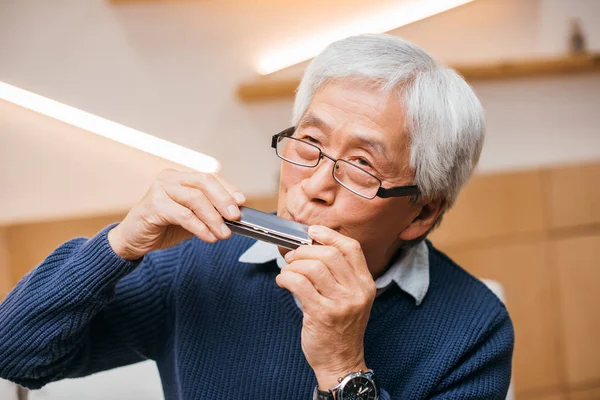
[(310, 139), (362, 162)]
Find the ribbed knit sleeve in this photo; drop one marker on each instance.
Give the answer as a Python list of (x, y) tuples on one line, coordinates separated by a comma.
[(484, 373), (83, 310)]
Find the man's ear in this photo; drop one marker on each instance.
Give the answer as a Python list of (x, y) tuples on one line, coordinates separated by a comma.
[(427, 216)]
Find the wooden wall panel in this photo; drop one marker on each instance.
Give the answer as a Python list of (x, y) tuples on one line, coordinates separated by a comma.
[(543, 396), (6, 279), (577, 262), (31, 243), (554, 396), (586, 394), (494, 206), (522, 269), (594, 191), (266, 203), (573, 195)]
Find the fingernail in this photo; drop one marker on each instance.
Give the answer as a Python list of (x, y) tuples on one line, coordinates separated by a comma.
[(233, 211), (211, 236), (225, 230), (289, 255), (239, 197)]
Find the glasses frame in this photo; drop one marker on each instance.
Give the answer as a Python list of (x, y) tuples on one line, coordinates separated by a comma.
[(397, 191)]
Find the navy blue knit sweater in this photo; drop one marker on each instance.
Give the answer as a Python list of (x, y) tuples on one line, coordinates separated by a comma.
[(221, 329)]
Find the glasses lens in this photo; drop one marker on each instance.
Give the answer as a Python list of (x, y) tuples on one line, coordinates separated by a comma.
[(356, 179), (297, 152)]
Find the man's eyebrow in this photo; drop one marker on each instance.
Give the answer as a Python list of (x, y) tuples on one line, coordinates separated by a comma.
[(311, 120), (377, 146)]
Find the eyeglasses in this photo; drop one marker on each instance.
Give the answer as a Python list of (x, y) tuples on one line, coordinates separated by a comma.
[(350, 176)]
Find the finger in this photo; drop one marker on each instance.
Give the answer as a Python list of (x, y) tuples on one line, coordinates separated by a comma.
[(197, 202), (233, 190), (216, 193), (176, 214), (349, 247), (300, 287), (318, 274), (330, 256)]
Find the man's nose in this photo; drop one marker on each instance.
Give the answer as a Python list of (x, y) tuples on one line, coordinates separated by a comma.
[(320, 185)]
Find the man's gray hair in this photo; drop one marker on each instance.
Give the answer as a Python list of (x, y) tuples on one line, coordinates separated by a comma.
[(444, 119)]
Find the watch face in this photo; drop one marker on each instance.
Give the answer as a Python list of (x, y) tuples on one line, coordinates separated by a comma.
[(358, 388)]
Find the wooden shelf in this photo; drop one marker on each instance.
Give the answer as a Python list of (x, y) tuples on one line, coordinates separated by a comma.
[(267, 88)]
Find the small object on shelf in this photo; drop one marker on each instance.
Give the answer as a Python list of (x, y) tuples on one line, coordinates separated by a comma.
[(577, 39)]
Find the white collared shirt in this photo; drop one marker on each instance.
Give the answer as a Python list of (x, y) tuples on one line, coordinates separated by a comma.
[(410, 271)]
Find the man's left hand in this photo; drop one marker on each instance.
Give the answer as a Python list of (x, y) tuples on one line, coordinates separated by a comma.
[(336, 291)]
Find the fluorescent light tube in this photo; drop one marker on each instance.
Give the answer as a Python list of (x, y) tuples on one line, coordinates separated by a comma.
[(384, 20), (109, 129)]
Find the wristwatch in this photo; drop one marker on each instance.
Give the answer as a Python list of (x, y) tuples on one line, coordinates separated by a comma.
[(354, 386)]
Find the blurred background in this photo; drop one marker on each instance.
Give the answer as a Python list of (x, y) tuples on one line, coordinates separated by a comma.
[(189, 72)]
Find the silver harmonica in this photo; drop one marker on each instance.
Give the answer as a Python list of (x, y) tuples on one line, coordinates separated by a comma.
[(270, 228)]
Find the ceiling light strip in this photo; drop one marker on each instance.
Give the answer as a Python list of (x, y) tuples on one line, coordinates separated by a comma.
[(109, 129), (384, 20)]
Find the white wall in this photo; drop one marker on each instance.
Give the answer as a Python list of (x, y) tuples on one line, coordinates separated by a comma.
[(50, 169), (137, 381), (530, 122), (170, 69), (540, 122)]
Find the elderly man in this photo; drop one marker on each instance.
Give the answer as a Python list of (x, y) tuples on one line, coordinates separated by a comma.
[(383, 139)]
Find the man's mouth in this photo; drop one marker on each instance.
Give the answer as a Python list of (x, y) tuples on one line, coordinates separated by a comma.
[(305, 221)]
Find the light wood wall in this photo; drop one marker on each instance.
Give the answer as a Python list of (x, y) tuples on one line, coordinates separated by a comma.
[(6, 278), (23, 246), (30, 243), (537, 232)]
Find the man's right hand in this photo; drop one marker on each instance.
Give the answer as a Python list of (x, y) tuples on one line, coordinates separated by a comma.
[(178, 205)]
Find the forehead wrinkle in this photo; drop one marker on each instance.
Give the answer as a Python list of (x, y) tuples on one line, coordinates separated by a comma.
[(311, 120), (369, 117), (377, 146)]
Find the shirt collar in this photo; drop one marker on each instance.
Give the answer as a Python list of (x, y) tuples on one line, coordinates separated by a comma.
[(410, 271)]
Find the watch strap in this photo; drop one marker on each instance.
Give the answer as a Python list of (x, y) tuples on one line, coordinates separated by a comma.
[(322, 394)]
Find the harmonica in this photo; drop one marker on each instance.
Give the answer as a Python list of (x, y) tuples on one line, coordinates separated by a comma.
[(270, 228)]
